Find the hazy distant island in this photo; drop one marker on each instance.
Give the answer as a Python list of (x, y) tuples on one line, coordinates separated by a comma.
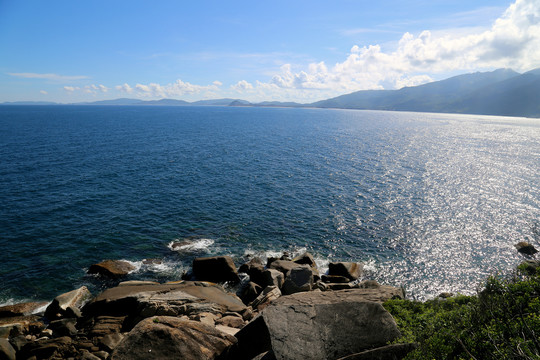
[(502, 92)]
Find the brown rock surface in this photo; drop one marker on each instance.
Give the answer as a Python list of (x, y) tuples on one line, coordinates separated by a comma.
[(113, 269), (186, 298), (21, 309), (166, 337)]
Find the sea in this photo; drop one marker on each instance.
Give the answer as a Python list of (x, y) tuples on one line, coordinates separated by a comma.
[(430, 202)]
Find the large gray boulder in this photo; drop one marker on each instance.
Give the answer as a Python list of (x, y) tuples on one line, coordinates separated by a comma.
[(317, 325), (167, 337)]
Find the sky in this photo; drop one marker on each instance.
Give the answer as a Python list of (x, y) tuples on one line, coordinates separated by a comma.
[(297, 50)]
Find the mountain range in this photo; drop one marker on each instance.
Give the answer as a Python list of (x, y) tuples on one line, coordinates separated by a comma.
[(501, 92)]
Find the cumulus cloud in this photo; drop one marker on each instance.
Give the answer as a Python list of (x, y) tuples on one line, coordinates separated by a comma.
[(88, 89), (175, 89), (54, 77), (124, 88), (512, 41), (242, 86)]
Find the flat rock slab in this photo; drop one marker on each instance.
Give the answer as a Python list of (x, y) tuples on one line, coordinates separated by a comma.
[(113, 269), (22, 309), (126, 299), (318, 325), (167, 337)]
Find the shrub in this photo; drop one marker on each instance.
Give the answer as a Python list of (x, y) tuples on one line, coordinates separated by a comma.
[(501, 322)]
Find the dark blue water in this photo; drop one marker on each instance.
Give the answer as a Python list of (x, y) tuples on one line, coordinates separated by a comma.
[(432, 202)]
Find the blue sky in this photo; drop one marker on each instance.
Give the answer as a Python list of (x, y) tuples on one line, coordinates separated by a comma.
[(70, 51)]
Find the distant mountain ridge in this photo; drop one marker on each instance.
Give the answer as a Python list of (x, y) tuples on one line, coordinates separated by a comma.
[(501, 92)]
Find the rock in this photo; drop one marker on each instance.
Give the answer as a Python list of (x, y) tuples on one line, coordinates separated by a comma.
[(283, 265), (335, 279), (269, 294), (231, 321), (445, 295), (273, 277), (21, 309), (171, 338), (68, 304), (18, 342), (388, 352), (7, 352), (305, 259), (59, 348), (530, 266), (110, 341), (525, 248), (339, 286), (215, 269), (63, 327), (317, 325), (18, 325), (350, 270), (254, 268), (249, 292), (103, 355), (105, 325), (369, 284), (188, 298), (152, 261), (299, 279), (205, 318), (113, 269), (227, 330), (86, 355)]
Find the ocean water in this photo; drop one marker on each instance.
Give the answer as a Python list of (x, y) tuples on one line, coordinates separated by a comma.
[(431, 202)]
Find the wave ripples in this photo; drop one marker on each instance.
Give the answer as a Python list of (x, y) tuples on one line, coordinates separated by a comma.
[(431, 202)]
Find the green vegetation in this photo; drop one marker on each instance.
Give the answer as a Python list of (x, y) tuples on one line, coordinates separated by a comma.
[(501, 322)]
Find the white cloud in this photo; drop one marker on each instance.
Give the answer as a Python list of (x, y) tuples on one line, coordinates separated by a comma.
[(512, 41), (124, 88), (242, 86), (54, 77), (43, 92), (95, 89), (176, 89), (88, 89)]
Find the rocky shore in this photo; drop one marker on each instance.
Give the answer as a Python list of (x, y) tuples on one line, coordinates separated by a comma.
[(281, 309)]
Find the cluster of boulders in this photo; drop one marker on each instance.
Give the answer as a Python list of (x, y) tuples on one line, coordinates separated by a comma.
[(281, 309)]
